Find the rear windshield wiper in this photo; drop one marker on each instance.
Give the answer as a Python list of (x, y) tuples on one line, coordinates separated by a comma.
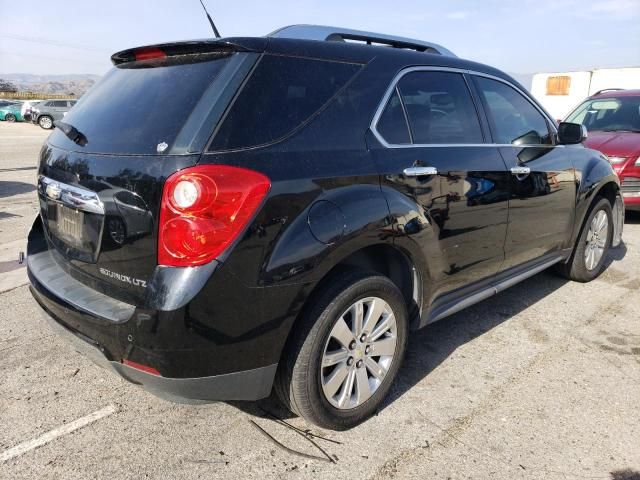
[(72, 132)]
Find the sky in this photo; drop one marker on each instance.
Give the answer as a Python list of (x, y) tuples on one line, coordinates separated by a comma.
[(520, 36)]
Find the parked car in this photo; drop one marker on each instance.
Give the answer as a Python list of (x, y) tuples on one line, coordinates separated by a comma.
[(315, 200), (27, 107), (4, 103), (11, 113), (48, 111), (613, 119)]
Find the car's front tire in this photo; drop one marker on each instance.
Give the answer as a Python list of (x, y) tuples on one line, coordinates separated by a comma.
[(590, 253), (46, 122), (345, 351)]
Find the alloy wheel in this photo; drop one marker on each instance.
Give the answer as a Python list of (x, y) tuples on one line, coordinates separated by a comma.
[(45, 122), (358, 353), (596, 240)]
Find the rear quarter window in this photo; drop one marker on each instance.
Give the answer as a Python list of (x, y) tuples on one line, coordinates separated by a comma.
[(281, 95)]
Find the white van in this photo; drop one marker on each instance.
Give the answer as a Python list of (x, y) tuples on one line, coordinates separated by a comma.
[(560, 92)]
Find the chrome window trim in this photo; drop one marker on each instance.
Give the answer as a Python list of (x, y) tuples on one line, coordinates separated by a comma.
[(394, 84)]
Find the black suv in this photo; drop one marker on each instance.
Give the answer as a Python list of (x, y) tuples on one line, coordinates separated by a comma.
[(222, 217)]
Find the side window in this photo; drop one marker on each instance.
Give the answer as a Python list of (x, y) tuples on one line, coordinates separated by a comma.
[(513, 118), (281, 94), (49, 104), (392, 124), (440, 108), (60, 103)]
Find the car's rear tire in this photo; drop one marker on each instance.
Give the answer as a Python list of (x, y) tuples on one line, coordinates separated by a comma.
[(46, 122), (10, 117), (354, 317), (589, 255)]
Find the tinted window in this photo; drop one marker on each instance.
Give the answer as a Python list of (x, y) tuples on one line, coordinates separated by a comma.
[(513, 118), (60, 103), (137, 106), (282, 93), (393, 123), (49, 104), (440, 108)]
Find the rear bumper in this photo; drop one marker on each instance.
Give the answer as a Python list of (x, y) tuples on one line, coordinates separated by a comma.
[(244, 385), (194, 361)]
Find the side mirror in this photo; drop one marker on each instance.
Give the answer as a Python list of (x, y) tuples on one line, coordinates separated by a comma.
[(571, 133)]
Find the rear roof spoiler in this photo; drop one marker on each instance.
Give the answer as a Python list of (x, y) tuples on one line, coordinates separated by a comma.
[(339, 34), (227, 45), (300, 32)]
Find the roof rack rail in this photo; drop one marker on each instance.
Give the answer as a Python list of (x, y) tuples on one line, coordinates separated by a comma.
[(607, 90), (324, 33)]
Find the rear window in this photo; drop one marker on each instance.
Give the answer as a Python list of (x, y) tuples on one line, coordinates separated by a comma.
[(281, 95), (141, 107)]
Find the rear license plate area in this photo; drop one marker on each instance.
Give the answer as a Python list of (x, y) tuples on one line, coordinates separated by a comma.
[(68, 225)]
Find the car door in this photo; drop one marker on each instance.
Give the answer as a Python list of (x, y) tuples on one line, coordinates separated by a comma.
[(543, 183), (447, 189), (59, 109)]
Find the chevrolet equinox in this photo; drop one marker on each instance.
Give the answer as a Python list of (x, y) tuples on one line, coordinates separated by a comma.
[(220, 218)]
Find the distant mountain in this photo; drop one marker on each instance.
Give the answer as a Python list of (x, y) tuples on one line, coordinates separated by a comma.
[(75, 84)]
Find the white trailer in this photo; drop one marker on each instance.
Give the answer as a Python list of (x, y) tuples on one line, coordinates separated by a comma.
[(560, 92)]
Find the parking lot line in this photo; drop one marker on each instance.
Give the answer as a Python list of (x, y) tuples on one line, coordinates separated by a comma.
[(56, 432)]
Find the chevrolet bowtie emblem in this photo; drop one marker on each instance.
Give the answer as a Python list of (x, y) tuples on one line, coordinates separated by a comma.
[(53, 191)]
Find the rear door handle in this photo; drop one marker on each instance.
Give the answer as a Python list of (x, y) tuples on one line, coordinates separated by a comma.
[(420, 171), (520, 170)]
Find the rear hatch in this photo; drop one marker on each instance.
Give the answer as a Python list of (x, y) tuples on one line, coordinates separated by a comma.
[(102, 170)]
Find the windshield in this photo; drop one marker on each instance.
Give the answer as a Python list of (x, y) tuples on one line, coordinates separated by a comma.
[(608, 114), (141, 107)]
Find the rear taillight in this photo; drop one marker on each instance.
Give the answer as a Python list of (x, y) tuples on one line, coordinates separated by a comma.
[(204, 209)]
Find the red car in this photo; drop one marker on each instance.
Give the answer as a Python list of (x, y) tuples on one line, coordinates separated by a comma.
[(612, 118)]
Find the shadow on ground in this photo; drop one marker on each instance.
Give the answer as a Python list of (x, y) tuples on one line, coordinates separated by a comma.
[(626, 474), (431, 346), (9, 189), (632, 218)]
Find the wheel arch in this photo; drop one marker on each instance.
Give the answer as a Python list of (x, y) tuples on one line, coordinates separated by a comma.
[(609, 188), (611, 191), (382, 258)]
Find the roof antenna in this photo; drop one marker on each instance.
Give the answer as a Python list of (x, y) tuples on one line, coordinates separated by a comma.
[(213, 26)]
